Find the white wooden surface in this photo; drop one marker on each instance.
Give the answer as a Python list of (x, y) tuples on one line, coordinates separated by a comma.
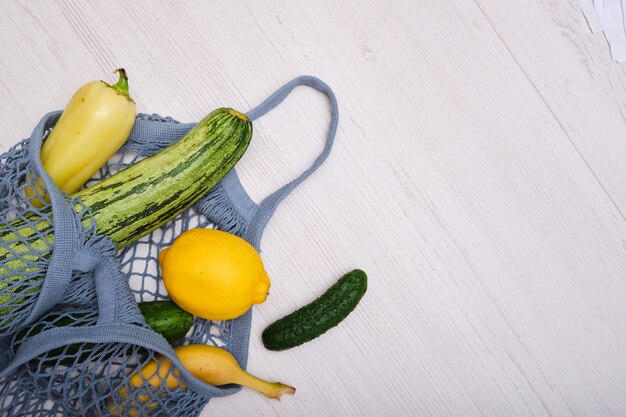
[(478, 177)]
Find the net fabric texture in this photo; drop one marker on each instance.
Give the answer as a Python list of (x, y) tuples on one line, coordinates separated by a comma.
[(70, 361), (72, 339)]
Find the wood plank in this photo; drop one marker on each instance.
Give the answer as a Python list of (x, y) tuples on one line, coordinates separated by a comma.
[(572, 70), (494, 246)]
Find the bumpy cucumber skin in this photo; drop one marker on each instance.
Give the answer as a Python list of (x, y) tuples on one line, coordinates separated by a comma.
[(164, 317), (316, 318), (167, 319)]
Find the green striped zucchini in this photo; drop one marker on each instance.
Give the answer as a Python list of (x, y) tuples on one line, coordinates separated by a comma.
[(130, 204), (143, 197)]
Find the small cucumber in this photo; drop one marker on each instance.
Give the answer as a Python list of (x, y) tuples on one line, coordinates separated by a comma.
[(321, 315), (167, 319), (164, 317)]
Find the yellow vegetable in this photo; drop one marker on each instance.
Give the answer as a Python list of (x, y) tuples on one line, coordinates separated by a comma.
[(94, 125), (213, 274), (211, 364)]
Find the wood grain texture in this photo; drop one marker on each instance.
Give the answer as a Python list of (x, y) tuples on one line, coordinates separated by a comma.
[(477, 177)]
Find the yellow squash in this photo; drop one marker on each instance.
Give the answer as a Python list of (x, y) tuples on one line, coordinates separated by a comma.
[(211, 364), (94, 125)]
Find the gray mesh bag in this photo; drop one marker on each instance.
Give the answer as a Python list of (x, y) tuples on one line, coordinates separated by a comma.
[(71, 333)]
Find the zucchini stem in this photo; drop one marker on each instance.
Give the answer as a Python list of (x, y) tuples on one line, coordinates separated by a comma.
[(238, 114)]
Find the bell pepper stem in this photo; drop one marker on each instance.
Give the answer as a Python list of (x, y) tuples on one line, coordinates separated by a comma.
[(122, 84)]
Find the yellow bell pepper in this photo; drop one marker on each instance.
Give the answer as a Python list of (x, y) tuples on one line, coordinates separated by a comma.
[(94, 125)]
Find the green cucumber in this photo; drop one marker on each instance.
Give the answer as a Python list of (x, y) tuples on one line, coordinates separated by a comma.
[(321, 315), (125, 206), (164, 317), (167, 319)]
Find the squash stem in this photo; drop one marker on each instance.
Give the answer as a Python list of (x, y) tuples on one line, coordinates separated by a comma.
[(238, 114), (122, 84), (273, 390)]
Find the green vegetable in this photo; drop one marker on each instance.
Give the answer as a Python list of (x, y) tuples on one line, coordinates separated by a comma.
[(134, 202), (164, 317), (130, 204), (316, 318), (167, 319)]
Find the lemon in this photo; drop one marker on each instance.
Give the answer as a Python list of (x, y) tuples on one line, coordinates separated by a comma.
[(213, 274)]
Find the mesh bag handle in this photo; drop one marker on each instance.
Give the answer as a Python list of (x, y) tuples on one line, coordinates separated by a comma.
[(267, 207)]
